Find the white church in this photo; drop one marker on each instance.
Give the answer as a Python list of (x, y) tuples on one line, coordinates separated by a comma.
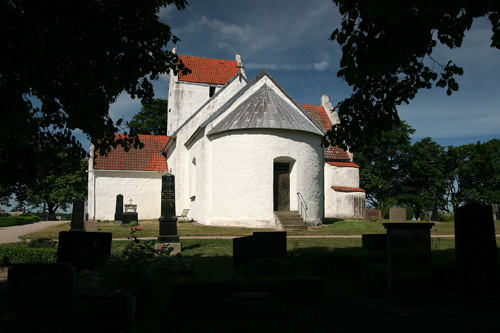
[(241, 152)]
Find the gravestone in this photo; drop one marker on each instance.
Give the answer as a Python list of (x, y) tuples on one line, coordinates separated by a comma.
[(261, 245), (372, 214), (84, 250), (91, 225), (130, 214), (374, 242), (496, 212), (168, 219), (41, 289), (398, 215), (476, 251), (434, 213), (78, 215), (409, 258), (119, 207)]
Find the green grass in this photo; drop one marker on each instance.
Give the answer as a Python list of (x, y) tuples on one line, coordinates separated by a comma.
[(330, 227)]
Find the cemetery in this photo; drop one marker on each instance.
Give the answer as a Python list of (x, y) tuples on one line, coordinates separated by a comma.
[(244, 272)]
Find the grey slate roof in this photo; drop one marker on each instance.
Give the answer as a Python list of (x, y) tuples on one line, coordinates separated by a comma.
[(265, 109)]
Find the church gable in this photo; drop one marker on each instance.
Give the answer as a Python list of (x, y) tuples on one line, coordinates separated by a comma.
[(145, 159), (265, 109)]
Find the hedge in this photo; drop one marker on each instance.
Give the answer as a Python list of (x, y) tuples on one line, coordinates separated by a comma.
[(8, 221), (24, 255)]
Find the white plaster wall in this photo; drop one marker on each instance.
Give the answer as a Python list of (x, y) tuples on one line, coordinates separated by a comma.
[(341, 176), (143, 187), (342, 204), (241, 176), (186, 99)]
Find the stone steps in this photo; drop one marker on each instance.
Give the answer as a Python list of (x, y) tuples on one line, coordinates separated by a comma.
[(290, 220)]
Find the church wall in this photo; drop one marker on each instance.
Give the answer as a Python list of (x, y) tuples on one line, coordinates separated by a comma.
[(186, 99), (341, 176), (241, 175), (143, 187), (342, 204)]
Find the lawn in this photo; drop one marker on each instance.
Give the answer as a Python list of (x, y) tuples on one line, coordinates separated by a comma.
[(330, 227)]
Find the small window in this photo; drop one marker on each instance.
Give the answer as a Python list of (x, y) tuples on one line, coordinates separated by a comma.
[(211, 92)]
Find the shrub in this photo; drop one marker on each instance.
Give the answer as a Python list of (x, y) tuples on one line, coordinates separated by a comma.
[(22, 219), (25, 255)]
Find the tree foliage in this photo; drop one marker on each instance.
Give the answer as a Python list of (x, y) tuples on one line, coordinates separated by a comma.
[(423, 181), (56, 185), (474, 173), (152, 119), (380, 166), (64, 62), (387, 58), (396, 173)]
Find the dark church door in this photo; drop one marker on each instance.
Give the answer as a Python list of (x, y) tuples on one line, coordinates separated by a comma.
[(281, 187)]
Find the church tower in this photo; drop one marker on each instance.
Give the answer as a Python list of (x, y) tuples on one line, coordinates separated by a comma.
[(188, 93)]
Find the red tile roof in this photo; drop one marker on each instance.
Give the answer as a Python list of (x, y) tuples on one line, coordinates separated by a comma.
[(347, 189), (343, 164), (319, 114), (145, 159), (206, 70)]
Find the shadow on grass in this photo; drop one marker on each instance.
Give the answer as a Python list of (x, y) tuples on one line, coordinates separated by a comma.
[(331, 220)]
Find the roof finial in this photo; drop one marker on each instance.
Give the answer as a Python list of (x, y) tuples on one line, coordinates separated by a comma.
[(240, 65)]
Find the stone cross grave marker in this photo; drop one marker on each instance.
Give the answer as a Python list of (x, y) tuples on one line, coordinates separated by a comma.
[(78, 216)]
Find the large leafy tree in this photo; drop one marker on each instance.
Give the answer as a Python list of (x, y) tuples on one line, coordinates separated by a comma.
[(424, 184), (473, 173), (56, 185), (152, 119), (63, 63), (387, 48), (381, 163)]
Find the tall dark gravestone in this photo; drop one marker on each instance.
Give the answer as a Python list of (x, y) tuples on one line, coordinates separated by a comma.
[(78, 216), (168, 219), (409, 259), (476, 251), (119, 207)]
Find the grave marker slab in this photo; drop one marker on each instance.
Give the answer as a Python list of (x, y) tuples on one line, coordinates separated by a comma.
[(119, 207), (84, 250), (261, 245), (476, 251), (398, 215), (374, 242), (409, 258), (496, 212), (78, 216), (372, 213), (168, 219)]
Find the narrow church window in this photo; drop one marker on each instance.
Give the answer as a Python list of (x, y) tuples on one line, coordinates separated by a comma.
[(211, 92)]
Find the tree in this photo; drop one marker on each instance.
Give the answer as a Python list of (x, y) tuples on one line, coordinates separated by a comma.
[(387, 58), (380, 166), (152, 119), (424, 184), (64, 62), (56, 185), (473, 173)]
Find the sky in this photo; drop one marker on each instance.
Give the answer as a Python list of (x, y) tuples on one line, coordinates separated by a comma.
[(291, 40)]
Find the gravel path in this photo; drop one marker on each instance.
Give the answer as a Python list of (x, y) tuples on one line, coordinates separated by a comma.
[(12, 234)]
